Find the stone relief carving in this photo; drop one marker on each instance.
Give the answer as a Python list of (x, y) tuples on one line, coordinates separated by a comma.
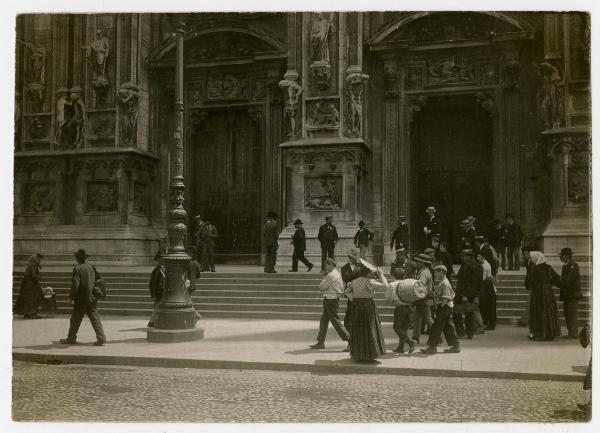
[(39, 197), (413, 78), (550, 96), (415, 105), (487, 102), (259, 89), (293, 92), (36, 71), (128, 99), (390, 71), (97, 55), (578, 187), (140, 198), (325, 114), (225, 45), (71, 111), (511, 74), (36, 128), (101, 197), (355, 80), (450, 70), (323, 192), (227, 87), (488, 73)]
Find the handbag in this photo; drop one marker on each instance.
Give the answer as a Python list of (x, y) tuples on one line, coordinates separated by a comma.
[(99, 290)]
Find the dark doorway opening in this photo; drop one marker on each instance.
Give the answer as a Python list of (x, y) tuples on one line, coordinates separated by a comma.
[(227, 182), (451, 166)]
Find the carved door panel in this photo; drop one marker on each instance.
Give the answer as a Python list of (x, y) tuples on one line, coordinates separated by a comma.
[(452, 144), (227, 169)]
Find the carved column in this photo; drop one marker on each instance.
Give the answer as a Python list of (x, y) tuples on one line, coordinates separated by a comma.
[(176, 319)]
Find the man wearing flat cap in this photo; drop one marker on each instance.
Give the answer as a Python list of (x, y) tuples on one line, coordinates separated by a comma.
[(570, 291), (271, 242), (84, 296), (299, 243), (328, 237), (423, 313), (468, 290)]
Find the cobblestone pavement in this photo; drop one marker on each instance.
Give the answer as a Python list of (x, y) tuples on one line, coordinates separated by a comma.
[(100, 393)]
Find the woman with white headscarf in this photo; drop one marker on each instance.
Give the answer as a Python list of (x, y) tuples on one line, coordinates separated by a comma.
[(543, 322)]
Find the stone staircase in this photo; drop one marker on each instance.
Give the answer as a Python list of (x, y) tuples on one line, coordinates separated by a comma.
[(260, 296)]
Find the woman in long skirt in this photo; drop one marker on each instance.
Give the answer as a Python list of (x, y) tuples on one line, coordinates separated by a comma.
[(543, 322), (30, 294), (366, 339)]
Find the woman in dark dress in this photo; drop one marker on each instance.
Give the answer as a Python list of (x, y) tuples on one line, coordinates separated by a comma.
[(366, 338), (30, 294), (543, 321)]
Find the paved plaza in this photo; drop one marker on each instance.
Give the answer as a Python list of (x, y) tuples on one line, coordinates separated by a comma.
[(139, 394), (283, 345)]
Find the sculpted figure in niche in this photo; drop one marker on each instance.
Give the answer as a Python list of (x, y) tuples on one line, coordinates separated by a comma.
[(320, 26), (62, 100), (293, 92), (97, 54), (73, 126), (128, 98), (354, 104), (36, 71), (550, 97)]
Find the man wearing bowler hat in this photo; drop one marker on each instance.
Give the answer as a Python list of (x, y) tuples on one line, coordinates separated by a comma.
[(299, 243), (328, 237), (570, 291), (84, 298)]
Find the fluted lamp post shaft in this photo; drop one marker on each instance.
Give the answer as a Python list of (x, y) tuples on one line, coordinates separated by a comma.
[(176, 316)]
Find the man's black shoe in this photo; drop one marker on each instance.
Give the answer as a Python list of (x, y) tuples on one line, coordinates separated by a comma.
[(317, 346), (292, 270), (399, 349), (310, 267)]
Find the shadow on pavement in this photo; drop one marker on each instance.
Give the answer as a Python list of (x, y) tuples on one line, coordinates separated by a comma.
[(289, 335), (311, 351), (58, 345), (134, 330), (579, 368)]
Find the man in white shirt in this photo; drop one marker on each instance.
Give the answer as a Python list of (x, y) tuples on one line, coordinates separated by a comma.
[(402, 312), (331, 287)]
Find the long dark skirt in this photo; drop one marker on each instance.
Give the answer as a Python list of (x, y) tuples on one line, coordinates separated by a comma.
[(30, 297), (366, 339), (543, 321)]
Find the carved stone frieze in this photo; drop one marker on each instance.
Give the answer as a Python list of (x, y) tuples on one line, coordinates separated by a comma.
[(324, 114), (323, 192), (222, 87), (101, 197), (225, 45), (450, 70), (39, 197)]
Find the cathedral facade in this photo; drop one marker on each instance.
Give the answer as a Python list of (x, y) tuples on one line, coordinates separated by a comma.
[(361, 116)]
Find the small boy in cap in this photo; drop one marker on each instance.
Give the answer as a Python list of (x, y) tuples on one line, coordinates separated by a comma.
[(362, 239), (570, 291), (443, 296)]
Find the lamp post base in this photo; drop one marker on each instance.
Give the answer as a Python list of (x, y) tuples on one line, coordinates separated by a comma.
[(174, 335)]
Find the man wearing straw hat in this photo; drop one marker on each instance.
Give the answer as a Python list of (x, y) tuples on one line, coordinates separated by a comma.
[(84, 297)]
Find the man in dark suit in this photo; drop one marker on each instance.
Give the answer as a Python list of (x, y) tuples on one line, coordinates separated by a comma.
[(498, 235), (200, 246), (400, 236), (299, 242), (482, 246), (432, 225), (350, 272), (328, 237), (271, 242), (84, 299), (156, 285), (570, 291), (468, 290), (362, 239), (514, 237), (402, 261), (209, 239)]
